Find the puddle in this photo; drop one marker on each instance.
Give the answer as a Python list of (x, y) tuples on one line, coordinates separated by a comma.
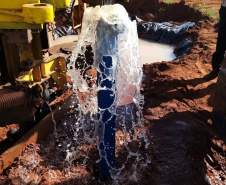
[(151, 51)]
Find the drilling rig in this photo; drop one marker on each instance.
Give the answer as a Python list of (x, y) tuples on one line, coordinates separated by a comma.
[(27, 74)]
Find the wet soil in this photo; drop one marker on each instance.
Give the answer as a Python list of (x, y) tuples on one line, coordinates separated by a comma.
[(185, 146)]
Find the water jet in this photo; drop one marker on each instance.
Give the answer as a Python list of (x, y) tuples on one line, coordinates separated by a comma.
[(114, 42)]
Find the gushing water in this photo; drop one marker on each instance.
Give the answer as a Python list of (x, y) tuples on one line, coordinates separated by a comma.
[(104, 64)]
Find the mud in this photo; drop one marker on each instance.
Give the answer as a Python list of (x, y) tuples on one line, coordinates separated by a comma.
[(186, 148)]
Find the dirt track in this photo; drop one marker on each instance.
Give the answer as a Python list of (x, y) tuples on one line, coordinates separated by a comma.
[(186, 147)]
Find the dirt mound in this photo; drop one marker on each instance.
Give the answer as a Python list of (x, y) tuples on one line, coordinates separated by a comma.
[(137, 7), (153, 10), (179, 12)]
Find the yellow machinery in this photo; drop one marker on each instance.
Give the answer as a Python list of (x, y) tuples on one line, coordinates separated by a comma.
[(20, 22), (21, 60), (21, 54), (26, 72)]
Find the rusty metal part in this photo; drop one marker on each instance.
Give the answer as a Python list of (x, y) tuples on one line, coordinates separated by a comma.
[(65, 47), (60, 99), (12, 99), (77, 13), (68, 48), (38, 132)]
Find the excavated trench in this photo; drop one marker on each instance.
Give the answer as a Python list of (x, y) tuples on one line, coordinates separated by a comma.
[(185, 147)]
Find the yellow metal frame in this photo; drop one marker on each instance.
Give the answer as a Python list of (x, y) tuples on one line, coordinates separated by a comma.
[(57, 70), (31, 14), (28, 14), (35, 13), (58, 3), (15, 4), (20, 25), (52, 67)]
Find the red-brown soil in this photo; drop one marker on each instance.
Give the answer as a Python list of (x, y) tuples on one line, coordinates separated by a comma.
[(186, 148)]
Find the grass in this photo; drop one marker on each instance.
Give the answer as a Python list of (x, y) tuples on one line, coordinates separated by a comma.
[(202, 6), (211, 11), (214, 12), (168, 1)]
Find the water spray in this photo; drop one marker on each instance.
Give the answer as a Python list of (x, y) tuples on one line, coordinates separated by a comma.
[(114, 41)]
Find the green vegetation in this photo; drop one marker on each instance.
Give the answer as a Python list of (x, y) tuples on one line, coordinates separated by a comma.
[(168, 1), (202, 6), (209, 12), (213, 12)]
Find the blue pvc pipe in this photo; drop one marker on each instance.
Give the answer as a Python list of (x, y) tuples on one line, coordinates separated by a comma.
[(106, 100), (107, 54)]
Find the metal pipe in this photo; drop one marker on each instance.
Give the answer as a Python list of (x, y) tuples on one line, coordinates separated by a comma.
[(12, 99)]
